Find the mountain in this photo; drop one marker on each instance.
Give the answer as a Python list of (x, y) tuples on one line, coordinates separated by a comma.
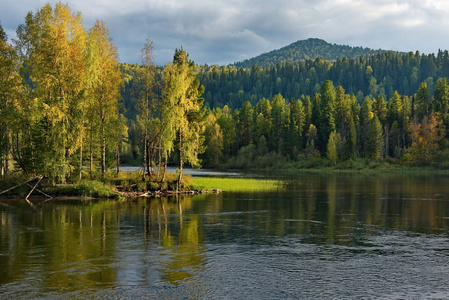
[(306, 49)]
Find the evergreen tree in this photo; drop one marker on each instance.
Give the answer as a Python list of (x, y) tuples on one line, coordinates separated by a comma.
[(245, 124), (297, 124), (374, 139), (380, 109), (263, 122), (327, 111), (280, 117), (366, 114), (422, 101), (395, 108), (396, 115), (229, 130), (441, 100)]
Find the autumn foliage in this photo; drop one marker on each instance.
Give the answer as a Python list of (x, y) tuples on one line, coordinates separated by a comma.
[(425, 137)]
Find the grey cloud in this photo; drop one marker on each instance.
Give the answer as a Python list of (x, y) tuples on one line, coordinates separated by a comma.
[(222, 32)]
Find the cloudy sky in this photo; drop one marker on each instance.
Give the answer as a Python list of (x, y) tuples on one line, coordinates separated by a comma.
[(223, 32)]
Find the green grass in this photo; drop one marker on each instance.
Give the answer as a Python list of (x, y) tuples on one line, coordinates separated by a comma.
[(235, 184), (87, 188)]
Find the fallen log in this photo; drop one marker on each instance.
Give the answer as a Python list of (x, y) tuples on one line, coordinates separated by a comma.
[(14, 187), (40, 178), (37, 190)]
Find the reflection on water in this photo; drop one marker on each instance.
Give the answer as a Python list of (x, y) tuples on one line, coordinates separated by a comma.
[(321, 237)]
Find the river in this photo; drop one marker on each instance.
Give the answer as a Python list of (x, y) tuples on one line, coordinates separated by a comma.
[(318, 236)]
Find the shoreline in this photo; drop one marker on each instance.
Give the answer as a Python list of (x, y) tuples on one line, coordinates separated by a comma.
[(119, 196), (94, 190), (156, 194)]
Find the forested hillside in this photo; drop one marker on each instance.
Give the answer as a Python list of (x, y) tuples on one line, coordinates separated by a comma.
[(304, 50), (385, 106), (377, 75)]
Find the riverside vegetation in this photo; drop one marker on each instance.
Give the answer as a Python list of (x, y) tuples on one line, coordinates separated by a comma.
[(69, 111)]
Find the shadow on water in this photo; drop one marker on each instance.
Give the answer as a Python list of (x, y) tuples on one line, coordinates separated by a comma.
[(327, 236)]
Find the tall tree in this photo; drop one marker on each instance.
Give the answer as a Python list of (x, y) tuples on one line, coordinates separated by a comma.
[(182, 110), (297, 124), (380, 109), (104, 92), (280, 117), (422, 101), (148, 118), (263, 121), (441, 100), (52, 44), (327, 111), (9, 92), (374, 139), (425, 140), (245, 124), (228, 128), (213, 141)]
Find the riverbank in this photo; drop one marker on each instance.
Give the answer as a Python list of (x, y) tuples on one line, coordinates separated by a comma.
[(126, 185), (129, 184)]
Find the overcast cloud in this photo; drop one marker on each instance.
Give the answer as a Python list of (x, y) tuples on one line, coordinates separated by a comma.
[(223, 32)]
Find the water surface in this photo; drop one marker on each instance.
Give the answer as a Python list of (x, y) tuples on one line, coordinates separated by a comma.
[(317, 237)]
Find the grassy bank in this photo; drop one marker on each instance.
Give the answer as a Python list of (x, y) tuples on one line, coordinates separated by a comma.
[(84, 189), (234, 184)]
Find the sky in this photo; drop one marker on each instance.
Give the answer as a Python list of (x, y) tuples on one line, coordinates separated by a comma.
[(223, 32)]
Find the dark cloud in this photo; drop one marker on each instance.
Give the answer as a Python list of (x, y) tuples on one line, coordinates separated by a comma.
[(222, 32)]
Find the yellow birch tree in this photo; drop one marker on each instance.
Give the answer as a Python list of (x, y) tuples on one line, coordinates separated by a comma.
[(104, 92)]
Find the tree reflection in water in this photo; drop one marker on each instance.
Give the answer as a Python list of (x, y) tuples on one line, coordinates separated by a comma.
[(79, 248)]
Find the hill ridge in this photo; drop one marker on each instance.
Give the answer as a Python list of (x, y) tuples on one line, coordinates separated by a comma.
[(310, 48)]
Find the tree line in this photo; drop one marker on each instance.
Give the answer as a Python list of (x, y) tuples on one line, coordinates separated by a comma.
[(333, 125)]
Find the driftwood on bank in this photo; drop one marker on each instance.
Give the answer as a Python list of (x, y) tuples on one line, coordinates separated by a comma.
[(33, 188), (16, 186), (37, 190)]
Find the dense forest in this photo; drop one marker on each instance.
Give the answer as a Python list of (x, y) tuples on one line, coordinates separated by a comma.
[(69, 110), (377, 75), (281, 108)]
